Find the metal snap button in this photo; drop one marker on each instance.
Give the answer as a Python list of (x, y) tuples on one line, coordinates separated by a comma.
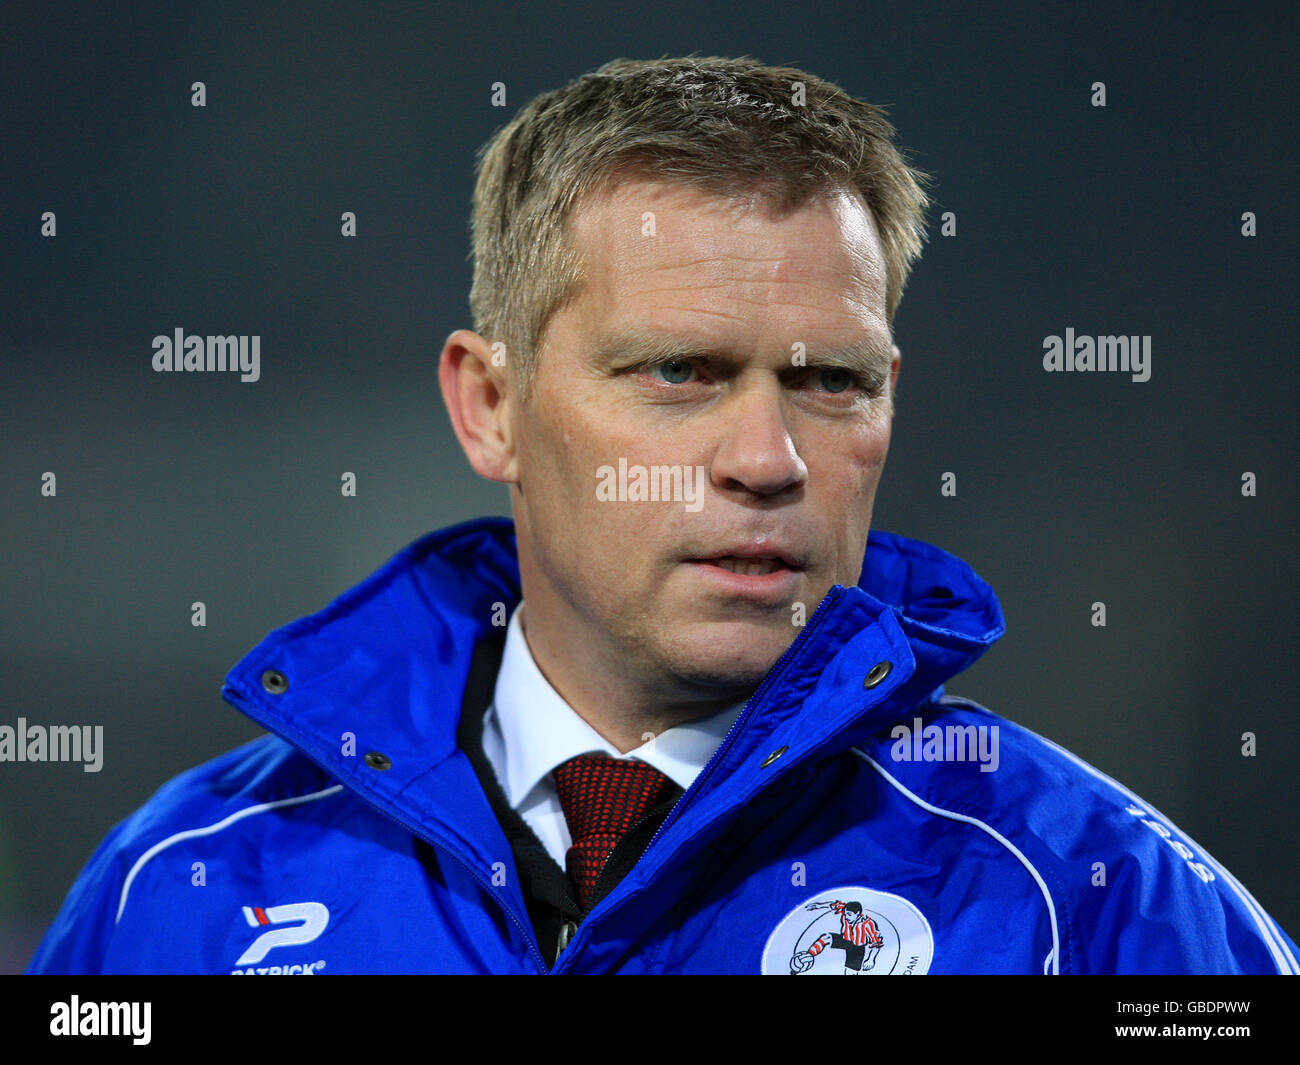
[(376, 760), (878, 673), (275, 682), (773, 757)]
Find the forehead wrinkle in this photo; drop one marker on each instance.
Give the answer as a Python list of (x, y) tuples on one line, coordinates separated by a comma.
[(731, 285), (733, 257), (741, 296), (780, 265), (864, 278), (847, 305)]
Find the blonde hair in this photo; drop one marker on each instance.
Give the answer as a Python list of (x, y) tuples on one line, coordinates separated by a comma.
[(731, 127)]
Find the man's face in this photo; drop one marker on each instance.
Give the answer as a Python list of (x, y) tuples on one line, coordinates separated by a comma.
[(791, 450)]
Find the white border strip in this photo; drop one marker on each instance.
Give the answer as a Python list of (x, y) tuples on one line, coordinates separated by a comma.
[(1055, 954), (1277, 945), (192, 833)]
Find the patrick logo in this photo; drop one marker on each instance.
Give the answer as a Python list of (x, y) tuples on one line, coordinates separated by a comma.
[(291, 925)]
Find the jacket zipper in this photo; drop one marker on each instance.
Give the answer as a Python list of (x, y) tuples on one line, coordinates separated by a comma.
[(773, 675), (444, 848), (768, 681)]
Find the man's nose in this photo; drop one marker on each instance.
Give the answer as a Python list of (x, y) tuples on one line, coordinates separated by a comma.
[(757, 452)]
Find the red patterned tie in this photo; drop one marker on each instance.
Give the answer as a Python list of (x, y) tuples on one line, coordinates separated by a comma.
[(603, 798)]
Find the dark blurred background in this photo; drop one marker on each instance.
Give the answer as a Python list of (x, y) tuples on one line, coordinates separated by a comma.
[(1072, 488)]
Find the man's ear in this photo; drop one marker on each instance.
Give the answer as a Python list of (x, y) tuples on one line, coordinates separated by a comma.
[(894, 367), (478, 395)]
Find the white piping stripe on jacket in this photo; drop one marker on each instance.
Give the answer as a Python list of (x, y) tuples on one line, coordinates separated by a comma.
[(1277, 946), (1055, 954), (191, 833), (1282, 956)]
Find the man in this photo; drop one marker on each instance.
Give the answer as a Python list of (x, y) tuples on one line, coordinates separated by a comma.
[(687, 696), (858, 937)]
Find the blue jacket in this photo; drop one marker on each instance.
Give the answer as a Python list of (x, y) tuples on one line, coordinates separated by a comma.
[(856, 819)]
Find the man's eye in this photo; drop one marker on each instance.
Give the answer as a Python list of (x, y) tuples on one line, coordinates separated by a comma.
[(837, 380), (675, 371)]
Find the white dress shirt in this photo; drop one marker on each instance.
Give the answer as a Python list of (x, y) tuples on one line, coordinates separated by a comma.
[(529, 730)]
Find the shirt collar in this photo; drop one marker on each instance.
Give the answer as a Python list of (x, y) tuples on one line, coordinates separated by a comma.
[(541, 731)]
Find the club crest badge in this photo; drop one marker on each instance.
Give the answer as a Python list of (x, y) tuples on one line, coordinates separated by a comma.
[(851, 931)]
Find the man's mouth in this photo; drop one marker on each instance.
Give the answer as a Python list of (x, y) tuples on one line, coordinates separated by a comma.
[(765, 574), (747, 567)]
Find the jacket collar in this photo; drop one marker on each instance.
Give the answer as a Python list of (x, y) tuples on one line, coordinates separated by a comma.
[(383, 667)]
